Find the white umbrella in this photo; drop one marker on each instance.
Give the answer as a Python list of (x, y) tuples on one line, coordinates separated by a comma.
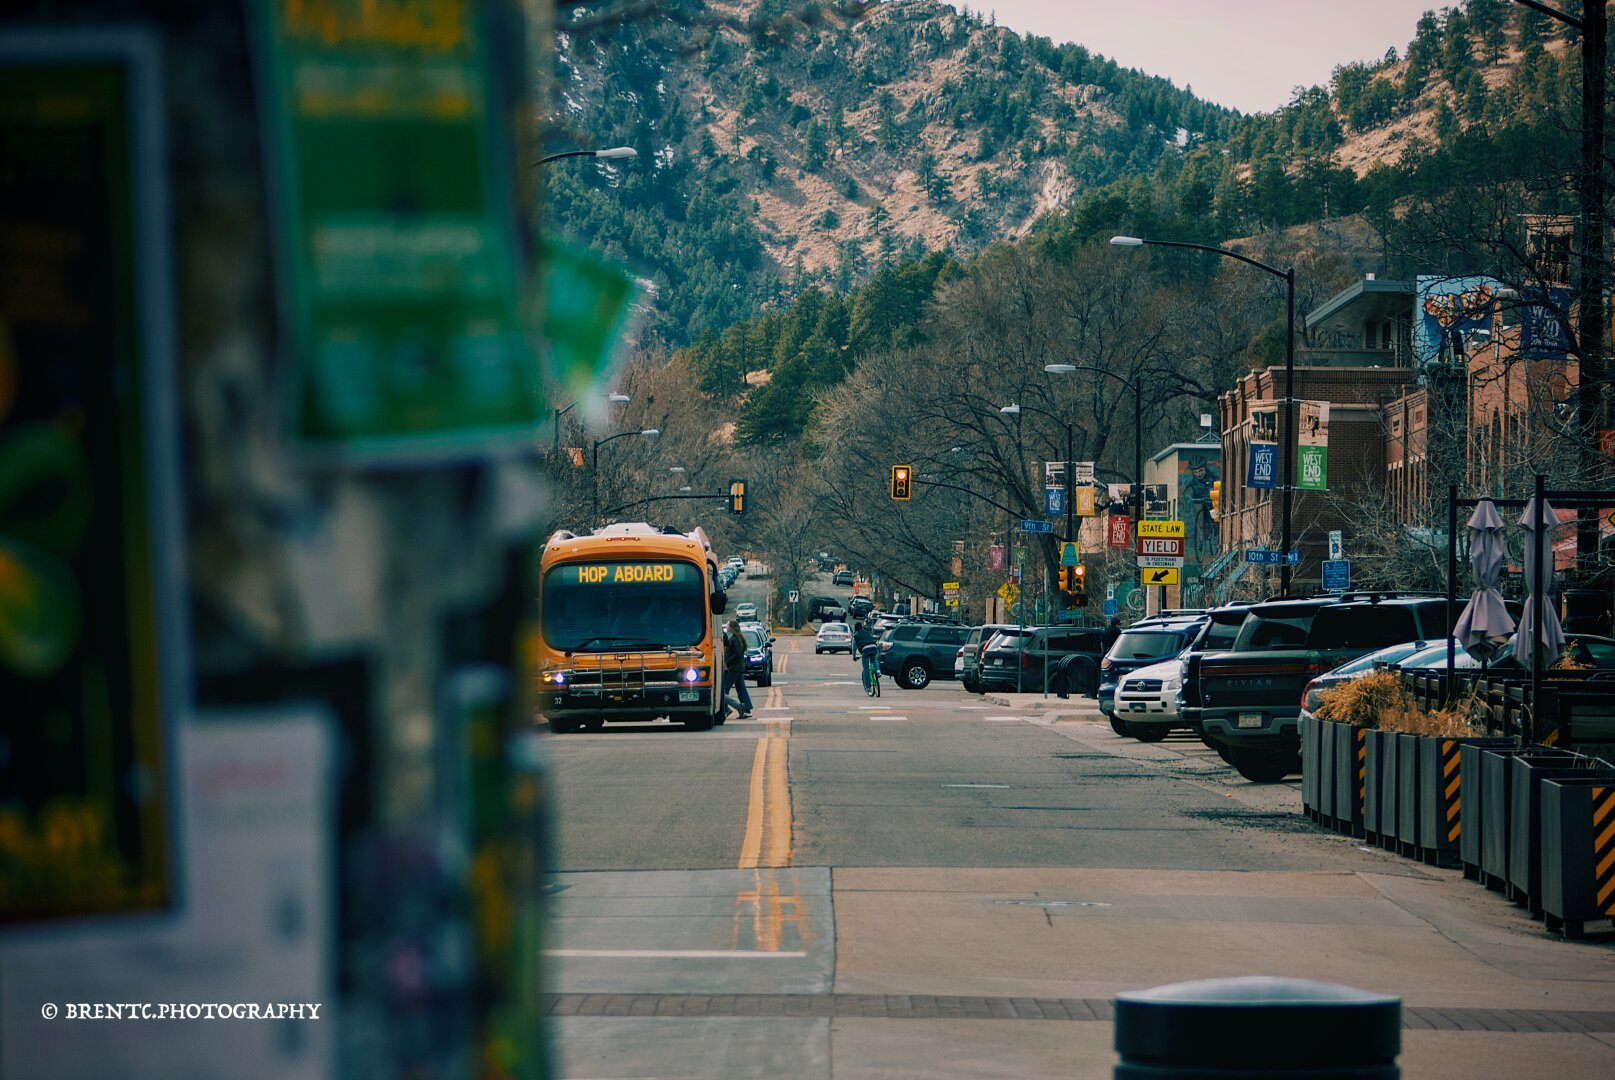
[(1485, 623), (1539, 552)]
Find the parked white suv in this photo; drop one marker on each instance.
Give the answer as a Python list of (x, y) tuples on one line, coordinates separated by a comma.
[(1147, 700)]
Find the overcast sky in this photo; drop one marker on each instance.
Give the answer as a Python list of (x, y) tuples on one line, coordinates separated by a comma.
[(1246, 54)]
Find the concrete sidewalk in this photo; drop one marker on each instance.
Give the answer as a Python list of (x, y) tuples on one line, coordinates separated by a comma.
[(1050, 707)]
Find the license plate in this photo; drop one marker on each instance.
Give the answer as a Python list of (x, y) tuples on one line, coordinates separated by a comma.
[(689, 695), (1139, 706), (1250, 719), (998, 663)]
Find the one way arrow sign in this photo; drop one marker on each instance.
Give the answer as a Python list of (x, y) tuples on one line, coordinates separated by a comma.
[(1161, 575)]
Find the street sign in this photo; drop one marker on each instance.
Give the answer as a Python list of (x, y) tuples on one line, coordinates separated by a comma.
[(1160, 528), (1069, 554), (1009, 592), (795, 596), (1336, 575), (950, 588), (1160, 560), (1111, 607), (1162, 575), (1337, 546), (1032, 525), (952, 601), (1160, 545), (1110, 592), (1266, 557)]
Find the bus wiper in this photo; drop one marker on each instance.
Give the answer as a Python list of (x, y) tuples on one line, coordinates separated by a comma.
[(621, 643)]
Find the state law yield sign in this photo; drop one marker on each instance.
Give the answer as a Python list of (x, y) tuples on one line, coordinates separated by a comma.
[(1156, 529), (1161, 545)]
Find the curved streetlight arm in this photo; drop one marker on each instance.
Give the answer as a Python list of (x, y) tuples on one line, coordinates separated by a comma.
[(1133, 241), (614, 152), (1554, 13)]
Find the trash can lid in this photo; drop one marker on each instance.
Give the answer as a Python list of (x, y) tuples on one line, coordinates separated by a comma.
[(1258, 1021)]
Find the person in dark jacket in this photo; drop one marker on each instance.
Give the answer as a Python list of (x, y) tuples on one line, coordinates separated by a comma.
[(1113, 630), (734, 669)]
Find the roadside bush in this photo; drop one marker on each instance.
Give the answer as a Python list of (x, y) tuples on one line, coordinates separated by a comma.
[(1379, 700)]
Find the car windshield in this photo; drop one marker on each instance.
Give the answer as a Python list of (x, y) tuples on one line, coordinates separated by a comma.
[(833, 628), (1361, 626), (601, 606), (1147, 645), (756, 638), (1434, 656), (1276, 628), (1219, 636), (1390, 655)]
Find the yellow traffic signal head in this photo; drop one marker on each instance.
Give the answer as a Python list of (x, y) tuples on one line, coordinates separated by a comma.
[(902, 481), (737, 496)]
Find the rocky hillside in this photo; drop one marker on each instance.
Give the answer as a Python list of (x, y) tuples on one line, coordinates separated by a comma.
[(778, 154)]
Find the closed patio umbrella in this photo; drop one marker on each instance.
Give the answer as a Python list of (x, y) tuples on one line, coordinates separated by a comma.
[(1485, 623), (1539, 552)]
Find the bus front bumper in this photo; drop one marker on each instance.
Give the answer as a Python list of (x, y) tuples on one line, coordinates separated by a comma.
[(663, 701)]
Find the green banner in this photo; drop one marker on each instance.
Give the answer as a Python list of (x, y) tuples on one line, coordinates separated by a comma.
[(400, 281), (1312, 468), (586, 304)]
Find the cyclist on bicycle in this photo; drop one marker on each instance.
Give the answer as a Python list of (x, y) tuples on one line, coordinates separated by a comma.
[(862, 639)]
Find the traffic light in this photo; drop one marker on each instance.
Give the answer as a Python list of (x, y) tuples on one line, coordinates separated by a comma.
[(1216, 500), (902, 476), (1079, 586), (1066, 584), (737, 496)]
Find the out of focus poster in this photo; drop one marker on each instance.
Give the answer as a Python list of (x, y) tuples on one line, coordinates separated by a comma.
[(399, 271), (90, 655)]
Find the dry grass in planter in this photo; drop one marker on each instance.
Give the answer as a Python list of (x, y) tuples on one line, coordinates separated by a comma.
[(1379, 700)]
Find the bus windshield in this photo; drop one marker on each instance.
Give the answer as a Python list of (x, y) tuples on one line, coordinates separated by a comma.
[(608, 606)]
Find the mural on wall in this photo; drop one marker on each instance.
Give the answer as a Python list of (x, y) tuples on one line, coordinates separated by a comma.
[(1445, 304), (1196, 474)]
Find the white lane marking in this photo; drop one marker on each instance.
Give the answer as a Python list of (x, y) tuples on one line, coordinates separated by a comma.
[(886, 716), (775, 708), (763, 720), (673, 954), (1004, 786), (1003, 719), (875, 708), (972, 706)]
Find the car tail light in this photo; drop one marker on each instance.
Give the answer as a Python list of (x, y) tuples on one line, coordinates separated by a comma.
[(1026, 659), (1104, 665), (959, 654)]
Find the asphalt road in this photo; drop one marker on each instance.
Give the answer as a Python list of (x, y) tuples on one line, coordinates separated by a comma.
[(853, 887)]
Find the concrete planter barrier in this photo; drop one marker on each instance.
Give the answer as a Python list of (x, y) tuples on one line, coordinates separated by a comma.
[(1350, 776), (1325, 791), (1441, 797), (1309, 767), (1528, 771), (1374, 784), (1407, 795), (1390, 810), (1472, 812), (1497, 819), (1578, 853)]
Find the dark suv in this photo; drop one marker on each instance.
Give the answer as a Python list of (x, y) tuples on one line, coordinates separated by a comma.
[(1139, 647), (1250, 696), (1015, 659), (915, 653)]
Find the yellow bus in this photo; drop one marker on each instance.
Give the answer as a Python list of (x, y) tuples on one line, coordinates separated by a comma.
[(626, 628)]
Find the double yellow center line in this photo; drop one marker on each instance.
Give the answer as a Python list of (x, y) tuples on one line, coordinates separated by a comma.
[(767, 840)]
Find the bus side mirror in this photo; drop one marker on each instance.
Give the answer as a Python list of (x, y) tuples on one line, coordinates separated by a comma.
[(719, 600)]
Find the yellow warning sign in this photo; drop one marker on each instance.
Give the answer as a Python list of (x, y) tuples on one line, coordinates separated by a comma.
[(1160, 528), (1160, 575)]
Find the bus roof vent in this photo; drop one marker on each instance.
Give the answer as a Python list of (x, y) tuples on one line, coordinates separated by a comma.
[(625, 528), (562, 534)]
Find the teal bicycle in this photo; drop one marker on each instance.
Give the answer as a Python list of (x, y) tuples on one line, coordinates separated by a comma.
[(871, 671)]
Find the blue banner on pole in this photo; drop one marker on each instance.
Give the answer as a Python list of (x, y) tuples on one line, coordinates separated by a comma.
[(1264, 466), (1054, 500)]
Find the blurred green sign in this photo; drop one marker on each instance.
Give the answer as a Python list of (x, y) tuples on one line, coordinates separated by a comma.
[(399, 276), (586, 304)]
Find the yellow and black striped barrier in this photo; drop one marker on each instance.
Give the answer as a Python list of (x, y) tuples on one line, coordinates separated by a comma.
[(1578, 854)]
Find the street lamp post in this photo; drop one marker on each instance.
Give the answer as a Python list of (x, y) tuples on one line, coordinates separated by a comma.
[(1070, 451), (614, 152), (616, 399), (1288, 439), (1138, 427), (649, 433)]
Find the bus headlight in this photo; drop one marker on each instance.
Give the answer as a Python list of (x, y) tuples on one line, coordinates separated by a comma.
[(691, 674), (556, 677)]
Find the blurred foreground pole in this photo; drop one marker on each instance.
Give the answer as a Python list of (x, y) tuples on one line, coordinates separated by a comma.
[(1257, 1028), (266, 318)]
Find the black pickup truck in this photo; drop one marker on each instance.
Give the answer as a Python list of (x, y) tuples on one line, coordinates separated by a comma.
[(1249, 698)]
